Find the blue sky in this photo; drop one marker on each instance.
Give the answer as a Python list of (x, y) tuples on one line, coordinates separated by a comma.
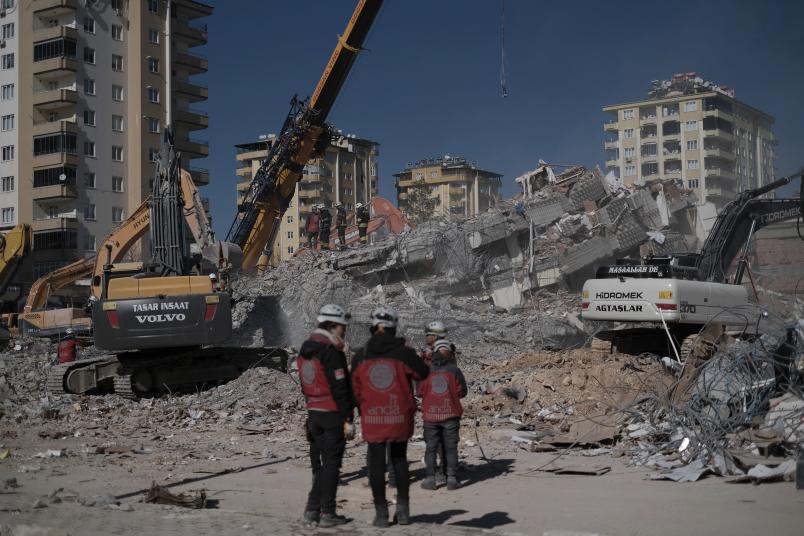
[(430, 84)]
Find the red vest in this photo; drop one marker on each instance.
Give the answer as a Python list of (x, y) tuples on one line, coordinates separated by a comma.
[(67, 351), (441, 396), (387, 407), (315, 385)]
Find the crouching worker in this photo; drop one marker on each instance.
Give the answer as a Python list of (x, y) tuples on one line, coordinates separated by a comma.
[(441, 396), (324, 379), (382, 373)]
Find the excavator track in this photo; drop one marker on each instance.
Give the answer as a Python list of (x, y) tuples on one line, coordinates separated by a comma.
[(123, 385), (59, 374)]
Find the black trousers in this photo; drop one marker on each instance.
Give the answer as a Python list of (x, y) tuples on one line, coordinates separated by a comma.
[(323, 237), (325, 434), (375, 459), (442, 435), (363, 233), (342, 236)]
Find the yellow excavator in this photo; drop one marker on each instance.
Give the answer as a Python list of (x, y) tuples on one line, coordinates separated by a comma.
[(14, 245), (167, 323)]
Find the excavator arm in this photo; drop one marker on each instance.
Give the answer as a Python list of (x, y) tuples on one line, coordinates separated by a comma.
[(303, 134), (14, 245), (44, 286)]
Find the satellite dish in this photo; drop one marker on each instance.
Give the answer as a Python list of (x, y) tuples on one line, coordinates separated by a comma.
[(62, 177)]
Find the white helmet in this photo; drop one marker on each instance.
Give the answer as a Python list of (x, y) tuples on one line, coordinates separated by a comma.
[(383, 316), (333, 313), (69, 331), (338, 204), (436, 328), (442, 343), (359, 205), (213, 276)]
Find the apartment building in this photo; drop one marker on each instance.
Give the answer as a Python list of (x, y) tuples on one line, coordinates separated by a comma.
[(347, 173), (460, 187), (84, 99), (693, 130)]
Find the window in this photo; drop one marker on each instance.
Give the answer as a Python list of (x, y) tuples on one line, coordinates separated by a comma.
[(89, 118), (54, 143), (153, 6), (8, 30), (649, 149), (89, 55), (690, 106), (691, 125), (89, 149), (628, 133), (628, 152), (65, 239), (692, 164), (8, 61), (290, 234), (117, 214), (153, 35), (628, 114), (650, 168), (117, 123), (117, 93), (692, 183), (89, 212), (117, 32), (153, 125), (117, 62), (153, 154), (692, 145), (290, 219), (8, 184), (89, 242), (8, 122), (117, 153), (89, 86), (89, 25), (117, 184), (630, 171), (117, 5), (290, 248), (7, 91), (8, 153), (89, 180), (51, 176), (153, 65), (8, 215), (153, 95)]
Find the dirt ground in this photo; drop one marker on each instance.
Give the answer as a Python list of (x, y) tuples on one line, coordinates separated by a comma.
[(79, 465)]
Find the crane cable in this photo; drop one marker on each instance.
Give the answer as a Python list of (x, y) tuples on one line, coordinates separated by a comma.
[(503, 76)]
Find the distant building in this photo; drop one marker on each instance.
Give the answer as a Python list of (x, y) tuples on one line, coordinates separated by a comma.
[(347, 173), (462, 189), (694, 130)]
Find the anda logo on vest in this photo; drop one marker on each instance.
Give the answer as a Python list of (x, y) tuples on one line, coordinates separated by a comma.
[(382, 376), (439, 384), (308, 372)]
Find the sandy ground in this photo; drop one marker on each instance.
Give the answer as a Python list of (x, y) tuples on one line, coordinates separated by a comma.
[(265, 494)]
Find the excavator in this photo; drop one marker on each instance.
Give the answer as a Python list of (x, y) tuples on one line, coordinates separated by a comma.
[(166, 324), (14, 245), (688, 300)]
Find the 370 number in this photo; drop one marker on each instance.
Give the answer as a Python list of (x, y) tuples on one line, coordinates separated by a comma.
[(685, 307)]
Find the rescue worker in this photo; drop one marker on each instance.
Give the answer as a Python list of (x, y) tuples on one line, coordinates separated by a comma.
[(362, 215), (441, 412), (324, 379), (66, 348), (433, 332), (214, 279), (311, 227), (325, 226), (382, 373), (340, 223)]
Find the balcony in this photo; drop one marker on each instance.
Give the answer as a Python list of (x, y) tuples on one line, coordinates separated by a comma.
[(200, 176), (718, 113), (54, 98), (193, 10), (53, 8), (719, 191), (55, 32), (647, 120), (719, 153), (55, 191), (63, 221), (720, 173), (613, 144), (54, 67), (610, 125), (193, 148), (55, 159), (194, 33), (192, 119), (724, 135), (193, 63), (54, 127), (611, 162), (457, 202), (193, 92), (457, 190)]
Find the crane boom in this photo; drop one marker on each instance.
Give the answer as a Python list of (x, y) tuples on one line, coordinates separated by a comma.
[(302, 134)]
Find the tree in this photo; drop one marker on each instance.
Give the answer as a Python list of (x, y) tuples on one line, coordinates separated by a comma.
[(420, 205)]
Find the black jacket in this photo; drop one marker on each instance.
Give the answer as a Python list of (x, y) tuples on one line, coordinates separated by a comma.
[(385, 345), (325, 220), (333, 360), (340, 217)]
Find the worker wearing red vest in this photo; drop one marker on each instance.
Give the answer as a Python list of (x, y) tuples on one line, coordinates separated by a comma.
[(382, 375), (312, 227), (441, 396), (433, 332), (66, 348), (324, 379)]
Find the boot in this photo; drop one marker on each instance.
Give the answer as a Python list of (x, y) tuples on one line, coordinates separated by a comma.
[(429, 483), (332, 520), (380, 515), (440, 478), (452, 483), (311, 516), (402, 515)]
